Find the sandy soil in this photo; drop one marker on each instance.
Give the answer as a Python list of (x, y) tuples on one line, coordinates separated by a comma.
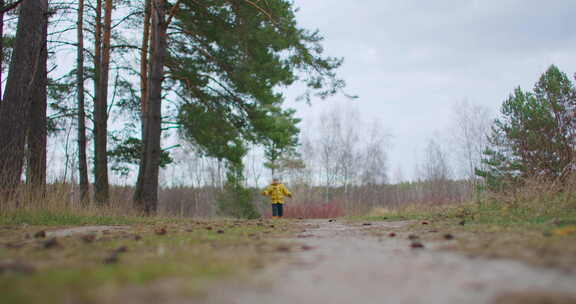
[(341, 263)]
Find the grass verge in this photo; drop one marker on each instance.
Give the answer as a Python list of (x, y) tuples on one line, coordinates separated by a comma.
[(177, 257), (537, 227)]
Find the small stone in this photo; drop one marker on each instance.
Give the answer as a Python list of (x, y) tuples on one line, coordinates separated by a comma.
[(111, 259), (283, 249), (14, 245), (16, 268), (51, 243), (121, 249), (88, 238)]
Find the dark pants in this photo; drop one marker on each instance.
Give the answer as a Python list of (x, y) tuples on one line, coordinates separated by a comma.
[(277, 210)]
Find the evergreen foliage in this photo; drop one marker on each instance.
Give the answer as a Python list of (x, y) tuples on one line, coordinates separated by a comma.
[(235, 199), (535, 135)]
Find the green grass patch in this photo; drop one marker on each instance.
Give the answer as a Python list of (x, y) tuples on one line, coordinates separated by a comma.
[(67, 218)]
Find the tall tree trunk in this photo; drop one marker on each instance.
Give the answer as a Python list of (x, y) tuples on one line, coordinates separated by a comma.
[(143, 89), (1, 47), (26, 63), (38, 129), (82, 160), (144, 62), (146, 193), (101, 187)]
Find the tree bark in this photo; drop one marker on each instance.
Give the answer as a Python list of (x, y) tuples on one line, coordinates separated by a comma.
[(101, 187), (38, 129), (143, 89), (82, 159), (146, 193), (1, 47), (26, 63), (144, 62)]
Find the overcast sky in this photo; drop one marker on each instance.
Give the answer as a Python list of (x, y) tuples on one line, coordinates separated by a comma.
[(410, 61)]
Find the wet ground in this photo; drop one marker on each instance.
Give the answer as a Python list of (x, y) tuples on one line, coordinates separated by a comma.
[(342, 263)]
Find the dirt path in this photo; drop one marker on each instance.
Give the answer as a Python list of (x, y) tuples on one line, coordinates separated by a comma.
[(84, 230), (346, 265)]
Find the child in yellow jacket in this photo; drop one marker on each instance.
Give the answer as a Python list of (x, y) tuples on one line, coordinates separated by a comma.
[(277, 191)]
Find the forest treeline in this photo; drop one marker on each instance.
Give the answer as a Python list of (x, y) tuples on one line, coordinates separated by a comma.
[(184, 98), (208, 70)]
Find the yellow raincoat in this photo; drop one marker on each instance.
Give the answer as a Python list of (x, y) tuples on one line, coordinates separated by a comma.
[(277, 192)]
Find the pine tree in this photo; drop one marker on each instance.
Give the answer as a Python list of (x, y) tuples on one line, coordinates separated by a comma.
[(535, 135), (26, 67)]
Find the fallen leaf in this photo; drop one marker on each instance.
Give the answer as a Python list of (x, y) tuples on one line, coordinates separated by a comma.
[(565, 231), (462, 222), (392, 234), (448, 236), (367, 224), (40, 234), (413, 237), (306, 247), (220, 231), (425, 223), (416, 245), (160, 231)]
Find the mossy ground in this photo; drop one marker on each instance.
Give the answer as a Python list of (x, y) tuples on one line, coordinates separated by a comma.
[(97, 269), (541, 231)]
